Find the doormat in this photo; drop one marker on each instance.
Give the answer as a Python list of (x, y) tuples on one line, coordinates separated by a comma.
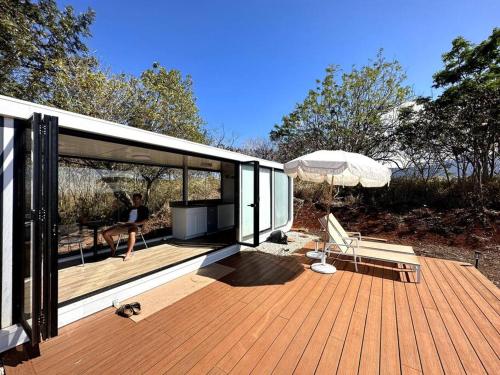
[(167, 294)]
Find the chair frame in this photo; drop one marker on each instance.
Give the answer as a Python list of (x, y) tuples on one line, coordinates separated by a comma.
[(353, 243), (65, 240), (139, 232)]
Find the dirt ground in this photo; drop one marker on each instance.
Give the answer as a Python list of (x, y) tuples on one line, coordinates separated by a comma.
[(454, 234)]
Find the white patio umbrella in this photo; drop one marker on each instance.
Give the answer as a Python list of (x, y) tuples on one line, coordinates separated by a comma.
[(337, 168)]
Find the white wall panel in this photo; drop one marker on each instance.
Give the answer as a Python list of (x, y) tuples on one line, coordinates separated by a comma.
[(8, 195)]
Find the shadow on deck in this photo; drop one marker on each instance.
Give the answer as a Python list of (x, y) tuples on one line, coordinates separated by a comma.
[(273, 314)]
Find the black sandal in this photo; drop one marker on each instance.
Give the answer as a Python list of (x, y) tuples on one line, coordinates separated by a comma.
[(126, 311), (136, 307)]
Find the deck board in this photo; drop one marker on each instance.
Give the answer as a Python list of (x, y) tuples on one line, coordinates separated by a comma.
[(409, 356), (370, 350), (273, 355), (333, 349), (227, 353), (484, 325), (482, 350), (463, 347), (354, 339), (79, 280), (274, 315)]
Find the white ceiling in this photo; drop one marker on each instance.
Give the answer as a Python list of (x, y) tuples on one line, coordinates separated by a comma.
[(89, 148)]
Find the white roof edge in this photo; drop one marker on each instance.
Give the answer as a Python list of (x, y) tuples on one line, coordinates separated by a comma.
[(16, 108)]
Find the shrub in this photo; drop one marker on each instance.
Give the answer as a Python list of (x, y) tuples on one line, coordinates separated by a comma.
[(406, 193)]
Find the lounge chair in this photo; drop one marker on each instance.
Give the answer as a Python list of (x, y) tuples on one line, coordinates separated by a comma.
[(350, 246), (364, 241)]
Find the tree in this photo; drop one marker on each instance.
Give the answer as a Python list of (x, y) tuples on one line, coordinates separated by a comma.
[(260, 148), (35, 39), (470, 101), (461, 127), (167, 105), (348, 110), (160, 100), (422, 151), (82, 85)]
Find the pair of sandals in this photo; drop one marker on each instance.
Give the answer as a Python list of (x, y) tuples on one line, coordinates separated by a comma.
[(129, 309)]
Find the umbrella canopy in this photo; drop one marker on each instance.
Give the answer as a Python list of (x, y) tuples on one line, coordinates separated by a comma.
[(340, 168)]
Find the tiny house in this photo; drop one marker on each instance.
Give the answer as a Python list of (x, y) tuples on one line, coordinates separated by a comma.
[(60, 168)]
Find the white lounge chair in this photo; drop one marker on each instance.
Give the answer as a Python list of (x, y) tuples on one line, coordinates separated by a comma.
[(363, 240), (350, 246)]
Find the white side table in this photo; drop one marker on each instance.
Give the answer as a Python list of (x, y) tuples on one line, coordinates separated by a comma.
[(316, 254)]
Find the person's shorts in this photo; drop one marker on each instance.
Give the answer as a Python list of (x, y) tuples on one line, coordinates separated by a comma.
[(123, 228)]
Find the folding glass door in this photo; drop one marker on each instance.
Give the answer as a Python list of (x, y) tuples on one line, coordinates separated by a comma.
[(249, 204), (37, 223)]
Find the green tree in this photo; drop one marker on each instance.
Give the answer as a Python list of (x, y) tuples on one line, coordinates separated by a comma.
[(35, 38), (160, 100), (82, 86), (461, 127), (470, 102), (43, 58), (352, 111), (422, 148), (167, 105)]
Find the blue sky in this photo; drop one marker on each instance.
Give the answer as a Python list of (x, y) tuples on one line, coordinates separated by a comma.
[(252, 61)]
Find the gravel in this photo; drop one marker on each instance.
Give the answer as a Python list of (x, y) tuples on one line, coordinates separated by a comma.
[(296, 241)]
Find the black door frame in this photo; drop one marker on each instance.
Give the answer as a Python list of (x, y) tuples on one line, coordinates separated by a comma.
[(50, 256), (44, 216)]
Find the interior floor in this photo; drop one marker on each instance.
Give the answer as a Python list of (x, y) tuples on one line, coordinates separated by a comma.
[(78, 281)]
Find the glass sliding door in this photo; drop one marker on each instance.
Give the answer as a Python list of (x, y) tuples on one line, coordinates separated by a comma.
[(281, 199), (30, 201), (249, 204), (265, 199)]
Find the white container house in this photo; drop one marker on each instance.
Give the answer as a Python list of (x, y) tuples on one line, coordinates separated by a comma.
[(255, 200)]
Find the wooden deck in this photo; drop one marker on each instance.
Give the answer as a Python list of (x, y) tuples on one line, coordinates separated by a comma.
[(80, 280), (274, 315)]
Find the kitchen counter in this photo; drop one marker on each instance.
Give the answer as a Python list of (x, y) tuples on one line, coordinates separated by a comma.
[(207, 203), (197, 219)]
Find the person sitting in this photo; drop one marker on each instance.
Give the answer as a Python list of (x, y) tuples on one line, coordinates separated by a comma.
[(137, 216)]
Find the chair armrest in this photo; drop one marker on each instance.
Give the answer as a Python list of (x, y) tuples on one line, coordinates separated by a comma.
[(358, 234), (373, 239), (351, 241), (331, 242), (353, 247), (354, 234)]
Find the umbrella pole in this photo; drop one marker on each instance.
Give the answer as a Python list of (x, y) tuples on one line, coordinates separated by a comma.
[(330, 201), (328, 212), (324, 267)]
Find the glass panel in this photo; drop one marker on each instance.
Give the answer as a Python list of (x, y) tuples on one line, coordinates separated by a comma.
[(203, 185), (94, 195), (247, 203), (93, 191), (265, 199), (281, 199), (28, 226)]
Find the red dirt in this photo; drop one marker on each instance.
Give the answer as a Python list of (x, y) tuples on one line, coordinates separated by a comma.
[(453, 234)]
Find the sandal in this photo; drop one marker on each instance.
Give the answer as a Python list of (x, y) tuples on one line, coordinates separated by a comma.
[(126, 311), (136, 308)]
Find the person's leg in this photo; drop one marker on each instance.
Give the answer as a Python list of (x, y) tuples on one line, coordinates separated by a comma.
[(108, 236), (132, 233)]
